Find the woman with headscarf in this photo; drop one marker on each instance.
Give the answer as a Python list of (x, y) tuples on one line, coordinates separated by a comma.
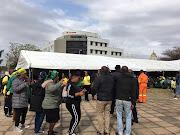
[(52, 100), (20, 99), (37, 97)]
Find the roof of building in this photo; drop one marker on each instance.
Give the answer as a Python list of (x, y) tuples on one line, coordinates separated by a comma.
[(153, 54)]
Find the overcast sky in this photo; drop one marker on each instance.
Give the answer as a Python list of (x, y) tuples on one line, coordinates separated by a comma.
[(137, 26)]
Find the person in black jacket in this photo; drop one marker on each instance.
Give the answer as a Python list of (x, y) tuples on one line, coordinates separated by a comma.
[(37, 97), (115, 76), (73, 101), (125, 98), (104, 86), (134, 111)]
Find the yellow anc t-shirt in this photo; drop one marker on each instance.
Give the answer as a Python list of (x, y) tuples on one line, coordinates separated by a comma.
[(86, 80), (4, 80), (65, 80)]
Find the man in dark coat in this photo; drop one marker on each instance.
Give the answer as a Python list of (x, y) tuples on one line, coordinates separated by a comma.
[(125, 99), (115, 76), (104, 87)]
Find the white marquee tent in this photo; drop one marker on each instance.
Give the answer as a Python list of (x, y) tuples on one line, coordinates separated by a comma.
[(63, 61)]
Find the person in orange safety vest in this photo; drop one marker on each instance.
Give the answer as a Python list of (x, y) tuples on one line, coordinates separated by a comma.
[(143, 80)]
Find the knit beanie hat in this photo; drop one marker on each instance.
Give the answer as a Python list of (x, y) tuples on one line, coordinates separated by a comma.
[(42, 75)]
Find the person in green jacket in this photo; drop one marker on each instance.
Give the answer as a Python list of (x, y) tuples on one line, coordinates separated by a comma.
[(52, 100), (9, 89)]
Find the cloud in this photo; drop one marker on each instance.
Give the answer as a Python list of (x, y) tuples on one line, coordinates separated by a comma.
[(138, 26), (25, 22)]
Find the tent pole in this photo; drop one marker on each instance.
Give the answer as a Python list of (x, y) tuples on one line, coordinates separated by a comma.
[(32, 74), (29, 73), (163, 73)]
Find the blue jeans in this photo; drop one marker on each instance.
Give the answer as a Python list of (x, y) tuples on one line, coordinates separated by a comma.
[(178, 90), (39, 120), (120, 104)]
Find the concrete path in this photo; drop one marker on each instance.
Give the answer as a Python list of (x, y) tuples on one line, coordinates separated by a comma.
[(160, 115)]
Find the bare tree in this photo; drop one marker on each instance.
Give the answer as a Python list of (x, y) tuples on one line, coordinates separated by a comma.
[(173, 54), (14, 51)]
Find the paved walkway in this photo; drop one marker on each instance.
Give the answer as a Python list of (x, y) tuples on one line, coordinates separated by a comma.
[(159, 115)]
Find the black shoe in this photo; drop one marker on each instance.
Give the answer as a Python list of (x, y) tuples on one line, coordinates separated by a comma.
[(136, 121), (53, 133), (106, 133), (98, 133), (140, 102), (117, 133)]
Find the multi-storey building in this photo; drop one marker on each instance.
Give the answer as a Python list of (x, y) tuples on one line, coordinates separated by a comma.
[(81, 42)]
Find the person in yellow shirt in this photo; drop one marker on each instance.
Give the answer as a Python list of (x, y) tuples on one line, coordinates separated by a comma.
[(65, 80), (64, 87), (87, 85), (7, 96)]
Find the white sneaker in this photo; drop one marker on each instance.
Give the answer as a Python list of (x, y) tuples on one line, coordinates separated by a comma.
[(25, 126), (175, 98), (39, 132), (17, 129)]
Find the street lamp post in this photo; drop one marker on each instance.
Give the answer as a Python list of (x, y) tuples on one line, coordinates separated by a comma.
[(80, 51)]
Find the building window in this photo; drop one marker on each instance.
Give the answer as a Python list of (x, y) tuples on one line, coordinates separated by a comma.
[(120, 54), (105, 44), (116, 53), (101, 44), (96, 43), (91, 42), (91, 50), (76, 36), (105, 52), (100, 52), (96, 51), (111, 53)]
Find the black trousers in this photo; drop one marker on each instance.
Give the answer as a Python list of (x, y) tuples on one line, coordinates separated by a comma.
[(134, 111), (75, 110), (112, 106), (20, 112), (88, 88), (8, 104)]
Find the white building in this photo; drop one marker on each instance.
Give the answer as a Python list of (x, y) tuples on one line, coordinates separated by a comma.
[(153, 56), (81, 42)]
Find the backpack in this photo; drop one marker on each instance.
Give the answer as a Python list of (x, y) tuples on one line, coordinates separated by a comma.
[(2, 86)]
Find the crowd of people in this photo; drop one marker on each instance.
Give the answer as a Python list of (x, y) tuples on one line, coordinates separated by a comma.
[(120, 89)]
